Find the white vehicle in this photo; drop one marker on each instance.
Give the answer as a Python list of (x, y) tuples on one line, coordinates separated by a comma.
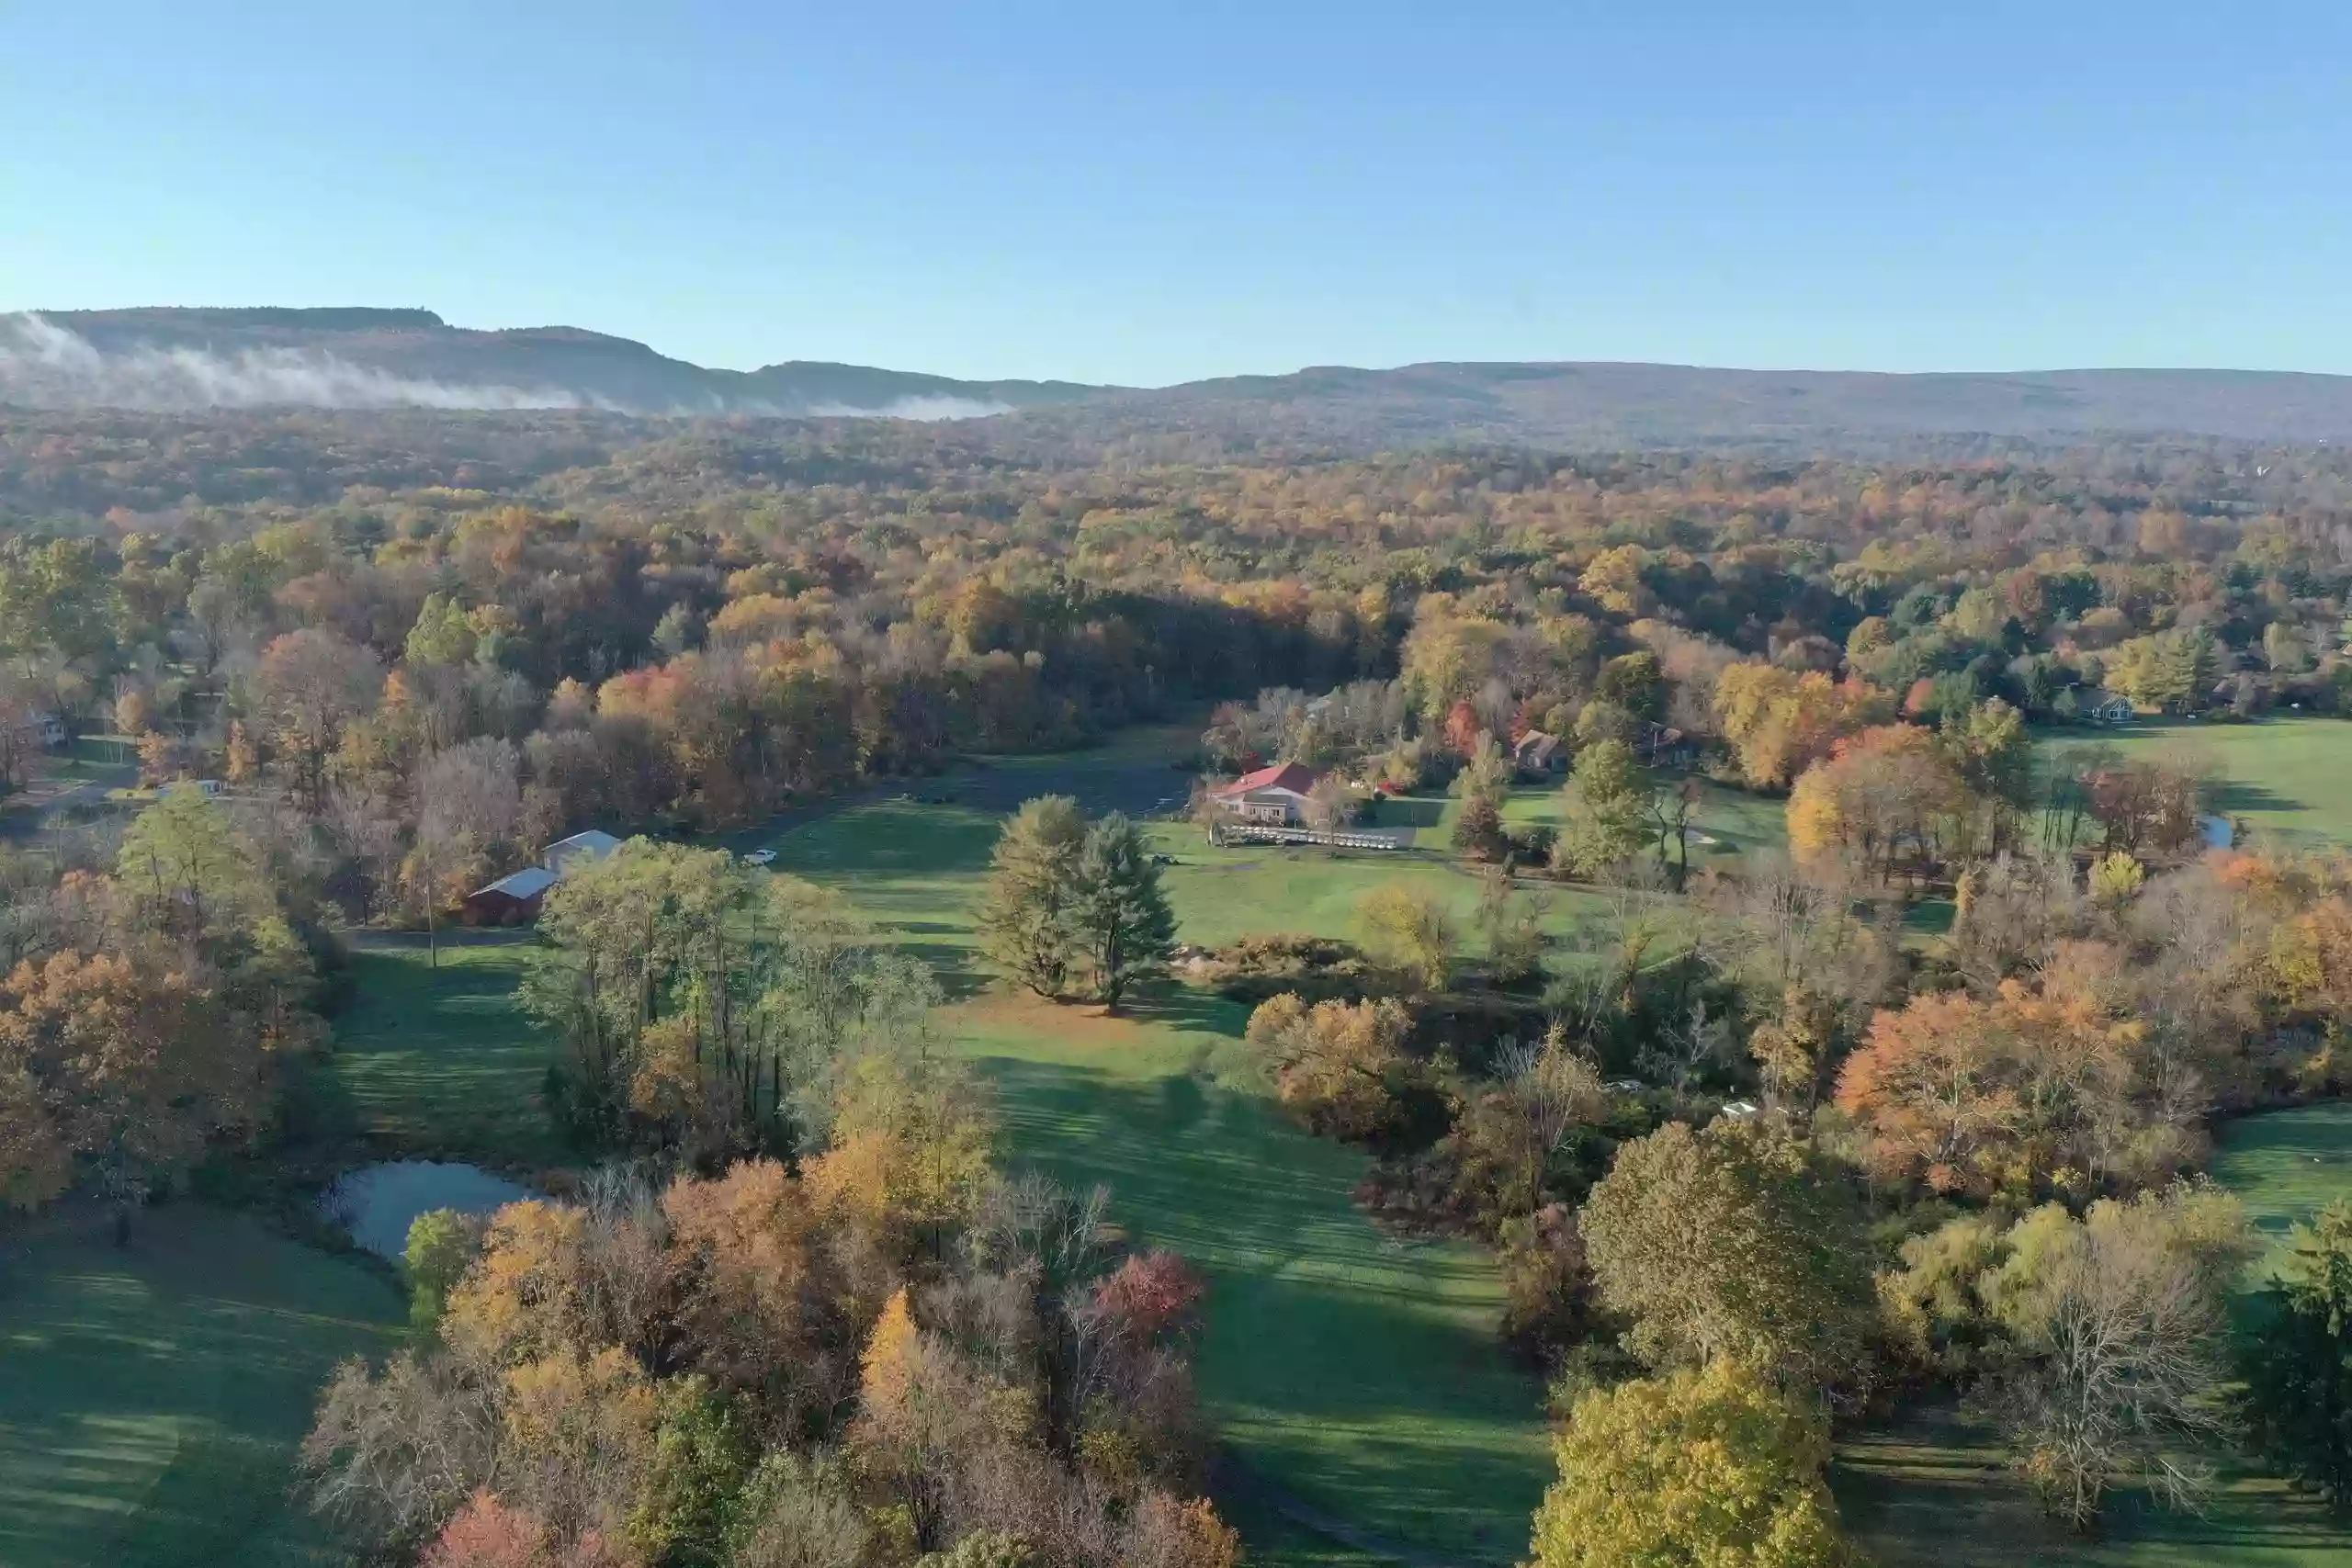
[(759, 857)]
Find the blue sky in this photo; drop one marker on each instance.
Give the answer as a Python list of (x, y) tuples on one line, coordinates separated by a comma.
[(1146, 192)]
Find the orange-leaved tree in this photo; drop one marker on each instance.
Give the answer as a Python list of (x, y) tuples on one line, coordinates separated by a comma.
[(2027, 1089)]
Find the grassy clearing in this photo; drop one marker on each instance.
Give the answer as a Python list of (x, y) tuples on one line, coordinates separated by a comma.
[(1360, 1373), (1151, 744), (917, 869), (151, 1396), (1223, 894), (440, 1064), (2284, 776), (2287, 1165)]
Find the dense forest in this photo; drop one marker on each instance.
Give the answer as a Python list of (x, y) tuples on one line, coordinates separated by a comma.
[(1755, 1161)]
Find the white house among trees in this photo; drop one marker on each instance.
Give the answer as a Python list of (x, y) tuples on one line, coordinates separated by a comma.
[(1276, 795)]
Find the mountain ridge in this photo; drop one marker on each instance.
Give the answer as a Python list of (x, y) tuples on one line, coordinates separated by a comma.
[(179, 358)]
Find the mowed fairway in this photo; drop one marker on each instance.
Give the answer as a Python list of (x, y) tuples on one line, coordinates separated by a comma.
[(151, 1396), (2287, 777), (1221, 894), (1359, 1373), (1728, 821)]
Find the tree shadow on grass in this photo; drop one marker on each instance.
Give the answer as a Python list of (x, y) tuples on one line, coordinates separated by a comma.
[(401, 993), (445, 1063), (2233, 797), (155, 1425), (319, 1113), (1190, 1007)]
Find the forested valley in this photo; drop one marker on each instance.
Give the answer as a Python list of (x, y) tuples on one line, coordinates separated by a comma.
[(1762, 909)]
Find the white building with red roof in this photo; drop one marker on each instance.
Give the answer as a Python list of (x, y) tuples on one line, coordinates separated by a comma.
[(1276, 795)]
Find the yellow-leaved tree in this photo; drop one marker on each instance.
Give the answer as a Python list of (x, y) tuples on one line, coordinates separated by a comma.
[(1411, 931), (1338, 1064), (910, 1141), (1712, 1466)]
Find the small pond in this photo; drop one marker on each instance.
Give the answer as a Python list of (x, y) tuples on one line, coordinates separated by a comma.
[(377, 1202), (2220, 831)]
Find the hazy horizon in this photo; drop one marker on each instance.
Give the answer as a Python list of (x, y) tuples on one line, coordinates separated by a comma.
[(13, 313)]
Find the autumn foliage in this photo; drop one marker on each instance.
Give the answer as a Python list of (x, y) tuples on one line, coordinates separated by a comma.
[(749, 1369), (1780, 722), (120, 1068), (1711, 1466), (2028, 1089), (1338, 1066)]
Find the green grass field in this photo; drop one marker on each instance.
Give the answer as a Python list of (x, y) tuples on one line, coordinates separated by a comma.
[(1221, 894), (1360, 1373), (2287, 1165), (151, 1396), (2286, 777), (439, 1064)]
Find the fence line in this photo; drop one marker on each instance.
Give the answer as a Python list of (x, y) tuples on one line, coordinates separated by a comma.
[(1261, 833)]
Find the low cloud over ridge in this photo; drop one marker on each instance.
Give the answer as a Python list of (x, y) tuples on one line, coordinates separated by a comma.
[(45, 365)]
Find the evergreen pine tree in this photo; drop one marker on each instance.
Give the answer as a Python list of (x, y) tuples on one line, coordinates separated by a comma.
[(1118, 913), (2299, 1368)]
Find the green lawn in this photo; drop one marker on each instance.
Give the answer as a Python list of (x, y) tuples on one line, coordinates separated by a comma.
[(2284, 776), (2287, 1164), (1360, 1373), (918, 868), (439, 1064), (151, 1396), (1728, 821), (1221, 894)]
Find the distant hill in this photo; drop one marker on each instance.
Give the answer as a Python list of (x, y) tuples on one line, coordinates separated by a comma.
[(184, 359), (363, 358), (1580, 405)]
